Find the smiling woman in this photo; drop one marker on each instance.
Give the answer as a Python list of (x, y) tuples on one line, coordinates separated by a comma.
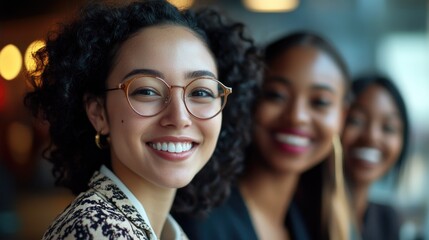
[(375, 141), (289, 189), (151, 84)]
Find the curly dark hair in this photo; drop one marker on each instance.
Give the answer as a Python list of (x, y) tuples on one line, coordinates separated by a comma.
[(77, 60)]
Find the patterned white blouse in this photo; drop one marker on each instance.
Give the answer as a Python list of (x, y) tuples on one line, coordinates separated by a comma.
[(108, 210)]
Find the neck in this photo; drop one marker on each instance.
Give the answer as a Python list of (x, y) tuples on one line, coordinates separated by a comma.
[(360, 201), (156, 200), (268, 192)]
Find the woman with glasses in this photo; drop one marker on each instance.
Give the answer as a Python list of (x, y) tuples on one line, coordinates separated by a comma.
[(141, 100), (292, 186), (375, 141)]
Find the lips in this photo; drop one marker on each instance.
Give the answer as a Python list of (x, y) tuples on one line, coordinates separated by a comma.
[(370, 155)]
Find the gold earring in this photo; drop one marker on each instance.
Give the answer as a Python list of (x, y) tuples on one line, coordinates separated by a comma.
[(98, 141), (338, 160), (340, 202)]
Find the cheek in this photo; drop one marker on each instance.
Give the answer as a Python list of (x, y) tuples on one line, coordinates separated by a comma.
[(267, 113), (211, 129), (331, 123), (119, 112), (350, 136), (124, 123), (395, 146)]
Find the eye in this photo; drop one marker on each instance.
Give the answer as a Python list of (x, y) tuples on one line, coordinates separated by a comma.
[(275, 96), (145, 92), (355, 121), (201, 92), (390, 128), (321, 102)]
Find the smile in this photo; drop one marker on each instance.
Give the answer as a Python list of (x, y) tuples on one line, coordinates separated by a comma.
[(172, 147), (294, 140), (371, 155)]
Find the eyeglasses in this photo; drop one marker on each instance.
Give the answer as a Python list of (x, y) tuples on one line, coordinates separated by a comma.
[(148, 95)]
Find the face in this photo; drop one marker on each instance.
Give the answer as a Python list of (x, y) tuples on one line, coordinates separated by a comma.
[(176, 55), (372, 135), (300, 111)]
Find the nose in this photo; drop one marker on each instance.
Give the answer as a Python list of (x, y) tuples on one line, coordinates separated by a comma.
[(372, 135), (297, 112), (176, 114)]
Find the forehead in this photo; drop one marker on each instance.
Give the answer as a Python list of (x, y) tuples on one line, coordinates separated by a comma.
[(307, 65), (377, 99), (168, 49)]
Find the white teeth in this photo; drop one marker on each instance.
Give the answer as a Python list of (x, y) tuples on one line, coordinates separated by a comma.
[(171, 147), (371, 155), (293, 139), (174, 147)]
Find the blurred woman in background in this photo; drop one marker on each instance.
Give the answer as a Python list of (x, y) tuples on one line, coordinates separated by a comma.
[(292, 186), (375, 142)]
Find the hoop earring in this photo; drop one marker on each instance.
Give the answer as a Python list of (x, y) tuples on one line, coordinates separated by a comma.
[(101, 144)]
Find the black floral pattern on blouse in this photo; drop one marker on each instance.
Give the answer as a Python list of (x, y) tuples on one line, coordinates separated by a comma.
[(102, 212)]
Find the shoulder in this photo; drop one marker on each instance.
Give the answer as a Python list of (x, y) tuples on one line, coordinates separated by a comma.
[(230, 220), (91, 216), (383, 211), (381, 221)]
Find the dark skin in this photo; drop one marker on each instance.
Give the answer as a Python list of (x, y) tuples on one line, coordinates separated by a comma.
[(300, 111), (372, 141)]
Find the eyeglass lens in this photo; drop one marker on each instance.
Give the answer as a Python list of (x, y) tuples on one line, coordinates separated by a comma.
[(203, 97)]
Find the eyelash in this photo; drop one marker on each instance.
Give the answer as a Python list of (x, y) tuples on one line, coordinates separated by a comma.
[(354, 121), (274, 95), (321, 103), (386, 128), (389, 129)]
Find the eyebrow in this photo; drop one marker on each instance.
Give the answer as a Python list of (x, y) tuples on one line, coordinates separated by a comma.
[(188, 75), (287, 82), (199, 73), (325, 87), (144, 71), (394, 116)]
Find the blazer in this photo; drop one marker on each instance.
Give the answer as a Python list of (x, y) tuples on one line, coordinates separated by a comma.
[(381, 222), (232, 221), (104, 212)]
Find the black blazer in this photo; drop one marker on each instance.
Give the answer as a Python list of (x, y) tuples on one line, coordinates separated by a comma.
[(231, 221), (381, 222)]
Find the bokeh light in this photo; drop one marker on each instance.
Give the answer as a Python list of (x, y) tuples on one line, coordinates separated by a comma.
[(20, 141), (30, 64), (10, 62), (182, 4), (271, 5)]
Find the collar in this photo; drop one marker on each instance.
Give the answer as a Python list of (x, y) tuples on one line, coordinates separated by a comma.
[(106, 183)]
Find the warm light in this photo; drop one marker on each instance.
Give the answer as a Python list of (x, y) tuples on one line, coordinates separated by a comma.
[(10, 62), (30, 64), (271, 5), (182, 4), (20, 141), (2, 95)]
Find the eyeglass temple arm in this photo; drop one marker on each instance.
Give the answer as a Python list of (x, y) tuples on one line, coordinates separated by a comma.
[(228, 91)]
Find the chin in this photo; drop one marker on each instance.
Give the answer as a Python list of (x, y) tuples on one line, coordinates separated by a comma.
[(176, 182)]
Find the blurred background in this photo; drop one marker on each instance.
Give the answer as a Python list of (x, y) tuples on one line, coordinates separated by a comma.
[(389, 36)]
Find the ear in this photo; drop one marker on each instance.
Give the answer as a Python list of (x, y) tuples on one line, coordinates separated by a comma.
[(96, 113)]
